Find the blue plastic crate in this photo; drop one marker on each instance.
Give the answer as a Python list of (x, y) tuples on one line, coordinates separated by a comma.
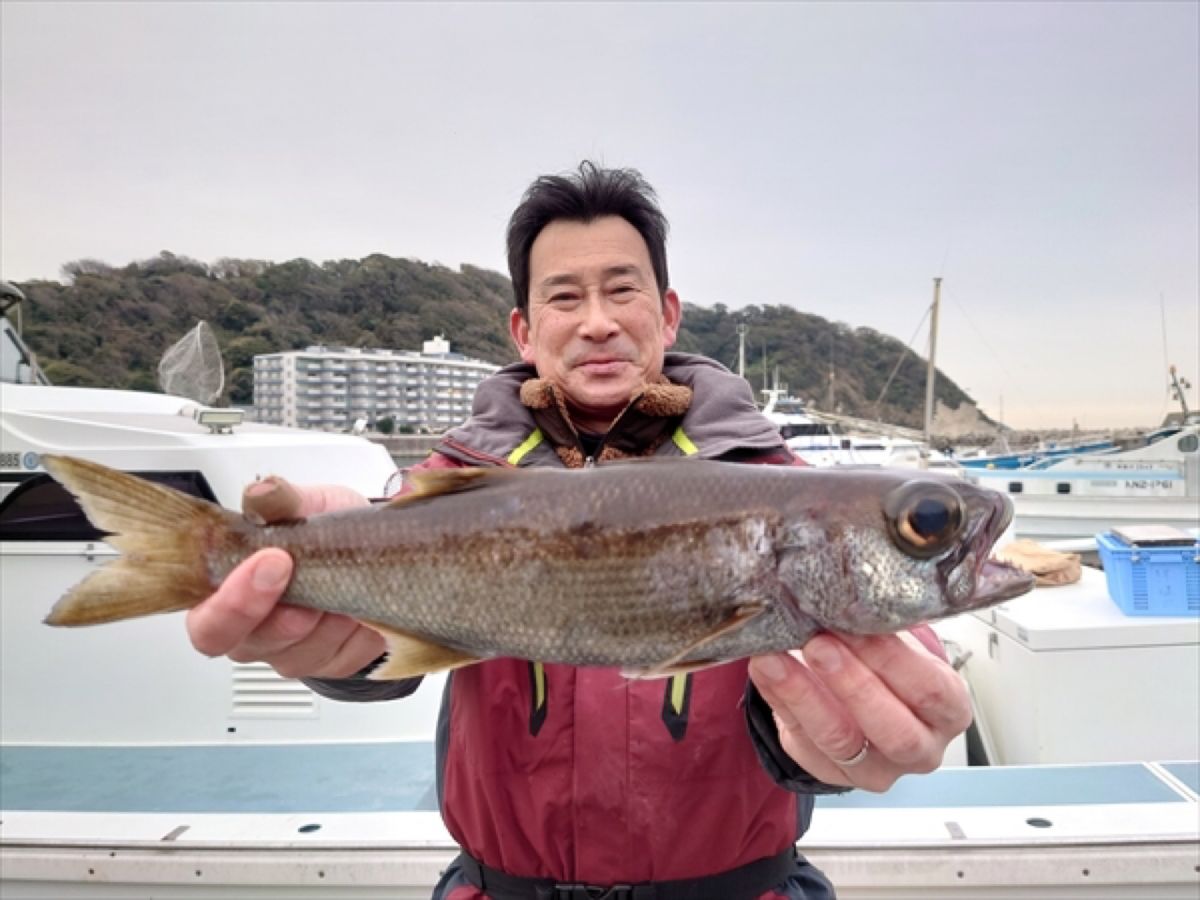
[(1151, 581)]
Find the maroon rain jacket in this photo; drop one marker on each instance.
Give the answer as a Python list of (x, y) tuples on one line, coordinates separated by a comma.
[(583, 776)]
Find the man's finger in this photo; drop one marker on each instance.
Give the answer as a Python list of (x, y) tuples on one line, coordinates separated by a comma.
[(309, 654), (337, 648), (271, 499), (926, 684), (283, 628), (364, 647), (803, 703), (891, 726), (240, 604), (274, 499)]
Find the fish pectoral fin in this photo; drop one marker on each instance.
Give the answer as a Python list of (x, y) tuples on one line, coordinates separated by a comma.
[(659, 672), (675, 665), (409, 656), (431, 483)]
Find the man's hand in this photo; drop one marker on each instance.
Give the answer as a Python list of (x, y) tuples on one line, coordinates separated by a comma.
[(244, 620), (885, 693)]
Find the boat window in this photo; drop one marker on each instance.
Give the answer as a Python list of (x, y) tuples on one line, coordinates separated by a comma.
[(1015, 487), (1063, 487), (1189, 443), (805, 430), (41, 509)]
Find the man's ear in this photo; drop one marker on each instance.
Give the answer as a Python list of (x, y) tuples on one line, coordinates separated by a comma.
[(672, 315), (518, 327)]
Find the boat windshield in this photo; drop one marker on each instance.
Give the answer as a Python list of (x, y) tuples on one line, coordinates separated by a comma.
[(806, 429), (16, 363), (792, 407)]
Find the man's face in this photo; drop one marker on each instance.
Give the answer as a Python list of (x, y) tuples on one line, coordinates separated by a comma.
[(597, 326)]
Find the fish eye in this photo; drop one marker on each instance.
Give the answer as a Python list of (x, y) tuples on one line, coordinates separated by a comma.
[(924, 518)]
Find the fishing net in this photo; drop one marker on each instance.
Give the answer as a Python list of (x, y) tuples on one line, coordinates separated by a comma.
[(192, 367)]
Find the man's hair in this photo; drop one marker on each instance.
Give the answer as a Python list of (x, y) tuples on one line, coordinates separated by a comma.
[(582, 196)]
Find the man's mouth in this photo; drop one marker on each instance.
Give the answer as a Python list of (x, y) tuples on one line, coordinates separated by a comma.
[(601, 365)]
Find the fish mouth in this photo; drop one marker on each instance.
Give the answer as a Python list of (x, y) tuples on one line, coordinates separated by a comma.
[(995, 580)]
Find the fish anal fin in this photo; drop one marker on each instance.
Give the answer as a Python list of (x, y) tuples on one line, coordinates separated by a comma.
[(409, 656), (429, 483), (676, 665)]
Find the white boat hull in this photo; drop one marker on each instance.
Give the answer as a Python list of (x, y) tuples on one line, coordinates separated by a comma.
[(1049, 518), (123, 683), (1082, 496)]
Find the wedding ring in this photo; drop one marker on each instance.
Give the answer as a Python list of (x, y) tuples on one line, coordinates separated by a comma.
[(856, 758)]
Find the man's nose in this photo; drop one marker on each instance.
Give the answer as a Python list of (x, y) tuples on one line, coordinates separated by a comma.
[(598, 323)]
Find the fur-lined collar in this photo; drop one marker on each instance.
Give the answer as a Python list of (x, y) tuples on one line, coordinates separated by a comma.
[(639, 430), (659, 398)]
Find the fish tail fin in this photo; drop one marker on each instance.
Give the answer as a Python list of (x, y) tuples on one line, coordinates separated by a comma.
[(164, 535)]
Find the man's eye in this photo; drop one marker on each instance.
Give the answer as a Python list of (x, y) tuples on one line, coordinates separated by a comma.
[(564, 299)]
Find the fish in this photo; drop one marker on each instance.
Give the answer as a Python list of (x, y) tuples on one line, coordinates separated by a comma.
[(656, 567)]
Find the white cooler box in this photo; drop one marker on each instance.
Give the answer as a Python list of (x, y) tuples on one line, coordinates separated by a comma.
[(1061, 675)]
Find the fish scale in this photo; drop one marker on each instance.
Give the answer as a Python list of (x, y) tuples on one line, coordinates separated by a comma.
[(602, 595), (650, 566)]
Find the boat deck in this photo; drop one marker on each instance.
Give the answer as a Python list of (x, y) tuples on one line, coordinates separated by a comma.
[(398, 776), (360, 820)]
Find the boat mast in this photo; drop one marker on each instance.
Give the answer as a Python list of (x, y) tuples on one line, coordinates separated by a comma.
[(931, 373), (1179, 391)]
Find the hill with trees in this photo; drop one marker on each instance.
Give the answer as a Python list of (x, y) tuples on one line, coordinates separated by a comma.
[(107, 326)]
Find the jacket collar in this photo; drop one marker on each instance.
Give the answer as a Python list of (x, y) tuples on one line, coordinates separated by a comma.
[(714, 407), (646, 422)]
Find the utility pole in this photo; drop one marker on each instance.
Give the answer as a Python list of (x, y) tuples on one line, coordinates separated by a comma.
[(741, 330), (931, 373), (830, 389)]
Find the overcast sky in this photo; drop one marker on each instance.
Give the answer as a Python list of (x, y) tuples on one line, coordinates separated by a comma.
[(1041, 157)]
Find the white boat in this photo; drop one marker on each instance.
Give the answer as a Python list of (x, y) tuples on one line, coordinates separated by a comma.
[(1081, 495), (137, 671), (822, 439), (131, 766)]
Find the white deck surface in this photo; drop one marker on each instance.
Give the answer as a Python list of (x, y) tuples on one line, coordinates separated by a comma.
[(1116, 830)]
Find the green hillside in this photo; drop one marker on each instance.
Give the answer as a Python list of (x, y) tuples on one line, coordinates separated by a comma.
[(107, 326)]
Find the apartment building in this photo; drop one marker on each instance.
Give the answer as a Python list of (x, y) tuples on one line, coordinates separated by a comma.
[(332, 388)]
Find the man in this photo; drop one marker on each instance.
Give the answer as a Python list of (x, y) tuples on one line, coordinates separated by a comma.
[(557, 780)]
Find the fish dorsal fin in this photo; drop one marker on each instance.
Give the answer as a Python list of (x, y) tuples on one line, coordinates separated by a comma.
[(409, 656), (675, 665), (430, 483)]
